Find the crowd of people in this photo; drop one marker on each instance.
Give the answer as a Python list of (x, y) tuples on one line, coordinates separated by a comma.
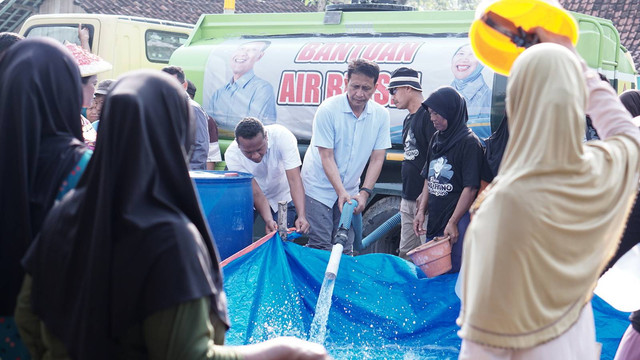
[(129, 244), (139, 266)]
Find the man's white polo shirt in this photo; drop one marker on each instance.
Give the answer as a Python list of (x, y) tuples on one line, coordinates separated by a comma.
[(352, 139)]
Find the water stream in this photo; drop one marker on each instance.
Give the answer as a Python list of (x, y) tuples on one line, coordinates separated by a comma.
[(318, 330)]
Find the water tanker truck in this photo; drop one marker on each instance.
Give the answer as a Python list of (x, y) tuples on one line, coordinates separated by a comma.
[(300, 59)]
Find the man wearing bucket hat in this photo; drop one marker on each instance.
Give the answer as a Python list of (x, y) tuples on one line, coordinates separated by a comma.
[(417, 130), (93, 112)]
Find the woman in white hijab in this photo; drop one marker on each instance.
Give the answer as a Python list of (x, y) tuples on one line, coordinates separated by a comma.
[(546, 227)]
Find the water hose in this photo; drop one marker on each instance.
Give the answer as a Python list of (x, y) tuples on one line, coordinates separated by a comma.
[(347, 219), (378, 233), (340, 239)]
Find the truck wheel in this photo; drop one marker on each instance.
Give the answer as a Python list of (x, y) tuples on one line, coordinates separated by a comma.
[(375, 216)]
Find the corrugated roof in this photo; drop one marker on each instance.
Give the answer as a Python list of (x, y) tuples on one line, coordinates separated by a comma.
[(14, 12), (625, 15)]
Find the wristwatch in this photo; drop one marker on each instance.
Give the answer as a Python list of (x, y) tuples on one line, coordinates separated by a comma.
[(367, 190)]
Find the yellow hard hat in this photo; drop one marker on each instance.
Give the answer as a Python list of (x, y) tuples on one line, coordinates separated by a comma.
[(497, 50)]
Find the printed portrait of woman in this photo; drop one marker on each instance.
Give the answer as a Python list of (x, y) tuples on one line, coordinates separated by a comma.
[(468, 80)]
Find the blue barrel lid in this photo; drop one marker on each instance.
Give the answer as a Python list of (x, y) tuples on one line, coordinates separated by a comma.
[(218, 176)]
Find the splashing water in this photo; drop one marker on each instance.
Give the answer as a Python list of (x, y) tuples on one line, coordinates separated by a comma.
[(318, 330)]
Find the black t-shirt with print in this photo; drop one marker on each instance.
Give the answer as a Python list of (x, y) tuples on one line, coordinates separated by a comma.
[(417, 131), (447, 176)]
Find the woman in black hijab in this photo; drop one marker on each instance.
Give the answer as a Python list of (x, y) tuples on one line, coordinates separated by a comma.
[(452, 172), (136, 270), (40, 143), (631, 100), (494, 149)]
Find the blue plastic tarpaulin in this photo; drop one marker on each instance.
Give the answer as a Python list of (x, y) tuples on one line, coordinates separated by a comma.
[(383, 306)]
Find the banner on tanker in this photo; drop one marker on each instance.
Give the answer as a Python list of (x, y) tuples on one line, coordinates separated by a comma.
[(284, 80)]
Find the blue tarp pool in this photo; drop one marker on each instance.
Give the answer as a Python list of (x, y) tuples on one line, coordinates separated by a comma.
[(383, 306)]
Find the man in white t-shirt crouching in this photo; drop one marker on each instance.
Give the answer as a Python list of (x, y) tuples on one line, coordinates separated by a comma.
[(270, 154)]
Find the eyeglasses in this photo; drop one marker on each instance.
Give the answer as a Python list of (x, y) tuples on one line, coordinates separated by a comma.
[(393, 91)]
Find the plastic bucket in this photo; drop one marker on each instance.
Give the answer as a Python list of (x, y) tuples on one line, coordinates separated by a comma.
[(227, 201), (433, 257), (495, 49)]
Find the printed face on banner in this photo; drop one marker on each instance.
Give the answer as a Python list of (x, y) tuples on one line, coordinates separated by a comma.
[(464, 63), (284, 80), (245, 56)]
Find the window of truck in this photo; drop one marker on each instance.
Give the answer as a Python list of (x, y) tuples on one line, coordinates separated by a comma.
[(61, 32), (161, 44)]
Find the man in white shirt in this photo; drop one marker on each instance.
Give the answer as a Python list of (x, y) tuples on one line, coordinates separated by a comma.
[(270, 154)]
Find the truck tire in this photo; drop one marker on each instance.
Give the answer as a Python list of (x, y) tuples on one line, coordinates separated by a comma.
[(375, 216)]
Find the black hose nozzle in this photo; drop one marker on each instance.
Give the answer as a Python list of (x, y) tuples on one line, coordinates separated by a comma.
[(341, 237)]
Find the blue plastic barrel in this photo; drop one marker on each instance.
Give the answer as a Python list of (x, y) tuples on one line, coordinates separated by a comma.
[(227, 201)]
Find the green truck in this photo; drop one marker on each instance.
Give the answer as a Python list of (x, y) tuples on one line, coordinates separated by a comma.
[(301, 59)]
